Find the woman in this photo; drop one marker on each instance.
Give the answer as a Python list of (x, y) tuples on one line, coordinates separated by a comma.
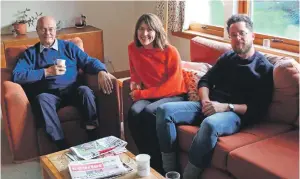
[(156, 78)]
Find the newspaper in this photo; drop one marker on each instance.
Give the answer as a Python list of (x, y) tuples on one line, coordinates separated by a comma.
[(106, 146), (108, 167)]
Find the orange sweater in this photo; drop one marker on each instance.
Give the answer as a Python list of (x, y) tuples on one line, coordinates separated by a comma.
[(159, 71)]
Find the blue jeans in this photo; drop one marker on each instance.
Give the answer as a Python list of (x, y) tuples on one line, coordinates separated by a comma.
[(187, 112)]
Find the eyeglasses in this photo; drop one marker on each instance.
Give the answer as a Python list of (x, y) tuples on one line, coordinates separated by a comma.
[(241, 34), (50, 30)]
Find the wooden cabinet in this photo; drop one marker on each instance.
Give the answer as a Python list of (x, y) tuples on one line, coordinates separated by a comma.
[(92, 38)]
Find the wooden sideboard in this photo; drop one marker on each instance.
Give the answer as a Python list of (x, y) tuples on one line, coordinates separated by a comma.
[(92, 38)]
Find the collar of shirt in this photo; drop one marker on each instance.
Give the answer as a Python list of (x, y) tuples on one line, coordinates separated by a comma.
[(54, 46)]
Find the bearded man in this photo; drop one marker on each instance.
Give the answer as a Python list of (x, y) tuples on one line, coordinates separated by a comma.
[(236, 92)]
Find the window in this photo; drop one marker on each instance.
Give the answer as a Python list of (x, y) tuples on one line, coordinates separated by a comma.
[(277, 20), (205, 16)]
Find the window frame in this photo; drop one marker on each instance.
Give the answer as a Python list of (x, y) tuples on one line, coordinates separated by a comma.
[(244, 8)]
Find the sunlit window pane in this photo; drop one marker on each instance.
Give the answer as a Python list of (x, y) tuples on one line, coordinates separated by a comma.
[(210, 12), (276, 18)]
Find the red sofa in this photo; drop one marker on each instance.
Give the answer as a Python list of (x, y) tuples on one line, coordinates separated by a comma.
[(266, 150), (28, 142)]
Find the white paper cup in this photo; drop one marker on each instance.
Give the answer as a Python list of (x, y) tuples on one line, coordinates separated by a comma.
[(61, 62), (143, 164)]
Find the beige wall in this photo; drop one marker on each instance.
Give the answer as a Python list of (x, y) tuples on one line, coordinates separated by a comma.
[(116, 18)]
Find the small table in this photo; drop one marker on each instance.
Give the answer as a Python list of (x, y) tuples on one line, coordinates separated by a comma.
[(55, 165)]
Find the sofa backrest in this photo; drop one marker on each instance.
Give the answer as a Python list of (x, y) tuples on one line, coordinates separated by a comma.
[(205, 50), (12, 53), (285, 103)]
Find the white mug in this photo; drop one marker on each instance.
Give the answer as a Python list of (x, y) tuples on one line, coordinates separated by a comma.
[(60, 62), (143, 164)]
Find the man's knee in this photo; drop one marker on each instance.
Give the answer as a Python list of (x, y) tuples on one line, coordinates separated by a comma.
[(208, 124), (43, 97), (163, 114), (84, 91)]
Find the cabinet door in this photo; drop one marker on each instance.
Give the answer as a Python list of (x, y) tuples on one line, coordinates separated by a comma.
[(92, 43)]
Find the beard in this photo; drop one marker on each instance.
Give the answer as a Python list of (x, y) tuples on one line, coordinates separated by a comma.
[(244, 50)]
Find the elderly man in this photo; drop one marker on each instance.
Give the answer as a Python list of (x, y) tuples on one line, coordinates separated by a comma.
[(51, 85), (235, 92)]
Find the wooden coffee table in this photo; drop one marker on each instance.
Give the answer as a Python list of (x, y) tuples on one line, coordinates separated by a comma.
[(55, 165)]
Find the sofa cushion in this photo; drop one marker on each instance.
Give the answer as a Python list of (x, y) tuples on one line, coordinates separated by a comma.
[(246, 136), (227, 144), (285, 102), (206, 50), (185, 135), (275, 157), (192, 72), (69, 113)]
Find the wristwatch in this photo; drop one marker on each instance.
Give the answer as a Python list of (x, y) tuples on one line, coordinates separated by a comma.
[(231, 107)]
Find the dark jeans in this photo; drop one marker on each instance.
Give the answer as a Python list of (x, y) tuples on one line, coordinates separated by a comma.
[(45, 106), (142, 126), (187, 112)]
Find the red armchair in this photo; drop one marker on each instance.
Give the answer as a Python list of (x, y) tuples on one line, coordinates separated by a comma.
[(28, 142)]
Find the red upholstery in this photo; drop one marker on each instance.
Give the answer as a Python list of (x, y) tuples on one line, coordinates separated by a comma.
[(275, 157), (202, 50), (28, 142)]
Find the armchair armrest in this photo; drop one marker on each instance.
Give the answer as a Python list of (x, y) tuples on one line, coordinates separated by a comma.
[(108, 106), (127, 102), (18, 119)]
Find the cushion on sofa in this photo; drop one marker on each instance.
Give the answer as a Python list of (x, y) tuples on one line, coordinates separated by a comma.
[(192, 72), (285, 102), (69, 113), (275, 157), (246, 136), (206, 50), (227, 144)]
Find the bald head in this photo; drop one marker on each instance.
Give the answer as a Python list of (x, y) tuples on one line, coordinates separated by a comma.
[(46, 20), (46, 30)]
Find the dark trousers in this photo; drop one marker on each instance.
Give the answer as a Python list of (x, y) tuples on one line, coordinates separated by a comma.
[(142, 126), (45, 106)]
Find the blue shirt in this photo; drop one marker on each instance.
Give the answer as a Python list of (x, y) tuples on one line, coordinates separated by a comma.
[(29, 69), (54, 46), (241, 81)]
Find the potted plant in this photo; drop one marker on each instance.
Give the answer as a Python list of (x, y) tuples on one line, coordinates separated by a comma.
[(20, 26)]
